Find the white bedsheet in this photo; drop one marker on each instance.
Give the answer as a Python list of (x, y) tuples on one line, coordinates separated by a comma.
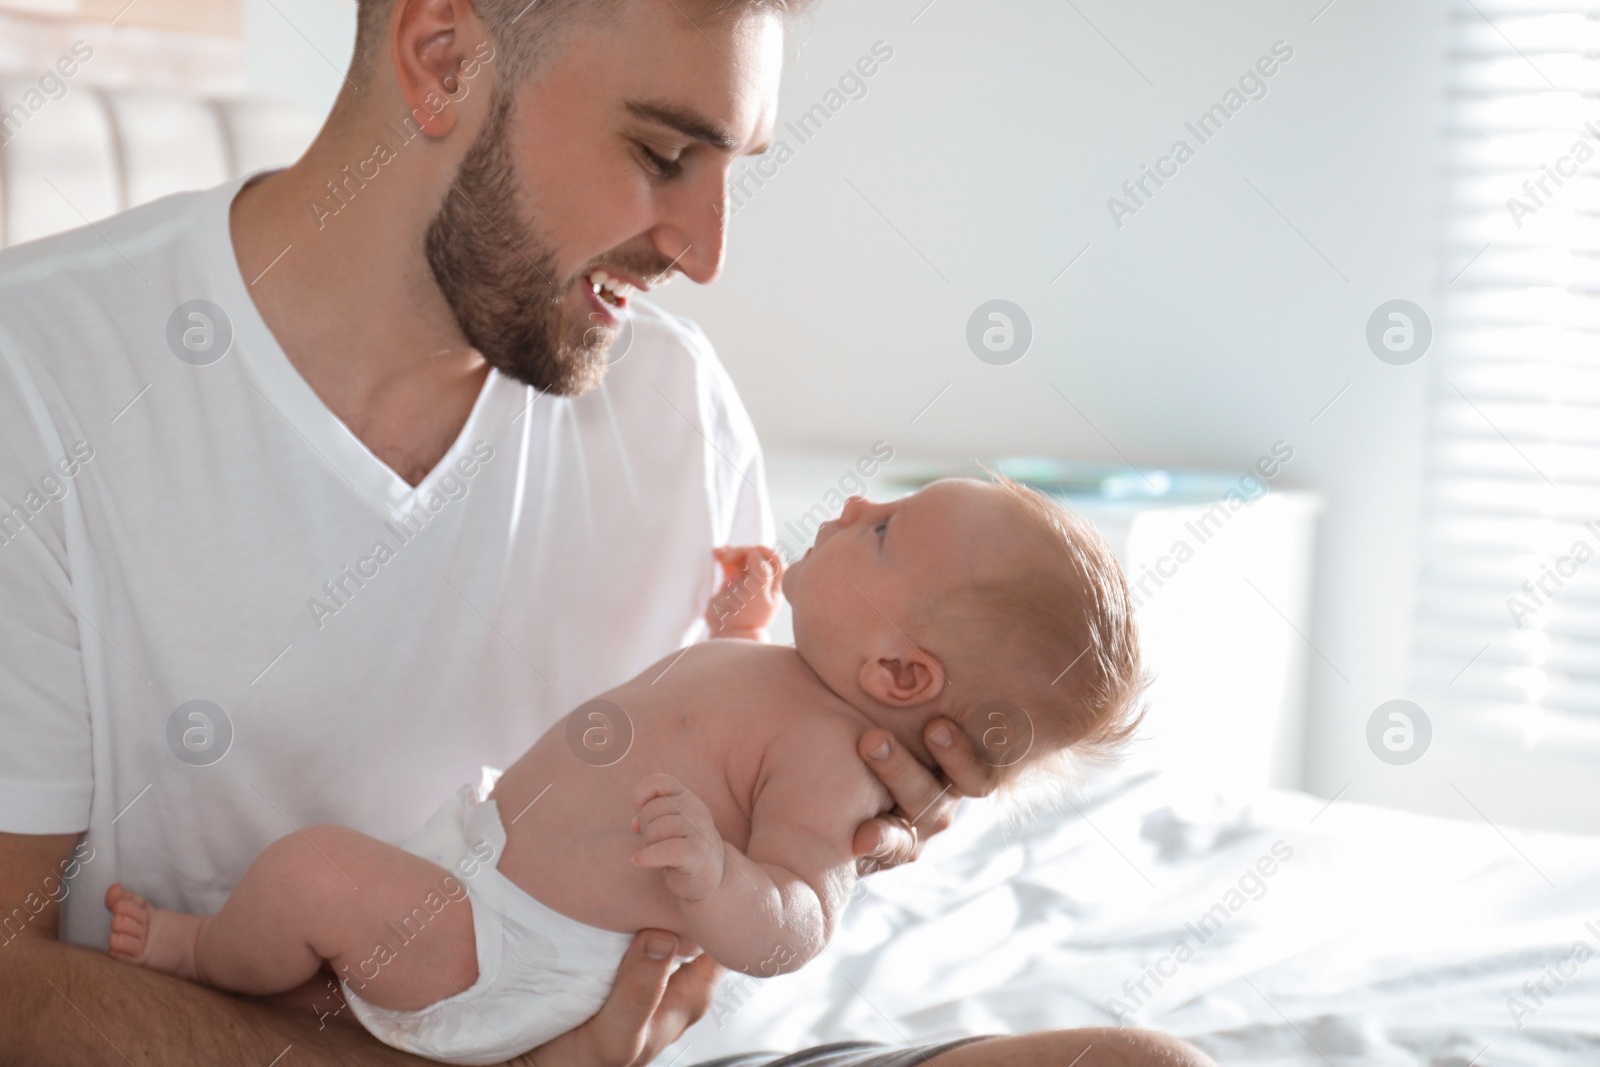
[(1383, 938)]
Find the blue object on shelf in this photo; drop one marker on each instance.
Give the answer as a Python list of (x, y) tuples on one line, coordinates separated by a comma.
[(1106, 482)]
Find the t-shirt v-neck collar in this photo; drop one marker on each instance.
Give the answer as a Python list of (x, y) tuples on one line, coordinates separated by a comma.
[(283, 387)]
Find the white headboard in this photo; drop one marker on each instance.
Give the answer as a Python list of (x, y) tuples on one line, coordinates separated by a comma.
[(94, 152)]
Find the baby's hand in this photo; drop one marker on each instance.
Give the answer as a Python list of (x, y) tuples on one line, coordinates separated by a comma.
[(679, 837), (750, 588)]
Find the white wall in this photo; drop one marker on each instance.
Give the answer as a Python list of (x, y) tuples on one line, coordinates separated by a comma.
[(298, 50), (1198, 334)]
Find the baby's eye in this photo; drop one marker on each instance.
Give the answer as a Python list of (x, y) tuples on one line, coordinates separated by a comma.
[(881, 528)]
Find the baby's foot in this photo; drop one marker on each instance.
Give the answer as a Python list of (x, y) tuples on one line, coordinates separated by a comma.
[(156, 938)]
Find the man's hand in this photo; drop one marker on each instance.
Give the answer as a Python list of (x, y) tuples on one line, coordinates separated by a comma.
[(924, 804), (650, 1006), (750, 590), (679, 837)]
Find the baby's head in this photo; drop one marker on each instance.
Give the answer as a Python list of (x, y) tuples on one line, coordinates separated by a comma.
[(983, 602)]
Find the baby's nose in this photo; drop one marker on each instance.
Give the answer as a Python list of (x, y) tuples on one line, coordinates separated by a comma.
[(852, 508)]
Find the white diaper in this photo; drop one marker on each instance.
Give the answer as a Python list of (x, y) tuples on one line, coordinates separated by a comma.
[(540, 973)]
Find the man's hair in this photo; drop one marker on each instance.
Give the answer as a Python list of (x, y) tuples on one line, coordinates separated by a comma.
[(1044, 659), (526, 32)]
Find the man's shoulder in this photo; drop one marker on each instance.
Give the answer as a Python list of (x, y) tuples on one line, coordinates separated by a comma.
[(112, 246), (669, 356), (667, 341), (74, 305)]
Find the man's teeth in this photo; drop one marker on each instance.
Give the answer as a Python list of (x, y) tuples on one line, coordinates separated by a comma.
[(613, 291)]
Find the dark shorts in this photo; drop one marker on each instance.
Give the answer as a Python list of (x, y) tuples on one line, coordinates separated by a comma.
[(845, 1054)]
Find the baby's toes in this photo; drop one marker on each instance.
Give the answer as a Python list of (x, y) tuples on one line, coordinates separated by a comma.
[(130, 923), (124, 901), (128, 939), (125, 946), (119, 894)]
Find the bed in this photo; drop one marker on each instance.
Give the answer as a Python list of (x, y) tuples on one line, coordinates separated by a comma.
[(1317, 933)]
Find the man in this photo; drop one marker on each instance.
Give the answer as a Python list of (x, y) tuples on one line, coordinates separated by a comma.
[(335, 483)]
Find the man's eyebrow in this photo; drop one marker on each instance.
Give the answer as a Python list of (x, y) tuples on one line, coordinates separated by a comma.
[(686, 122)]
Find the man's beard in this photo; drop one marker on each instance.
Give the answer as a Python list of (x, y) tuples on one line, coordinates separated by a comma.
[(499, 275)]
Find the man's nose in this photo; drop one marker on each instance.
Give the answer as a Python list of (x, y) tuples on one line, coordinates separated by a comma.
[(693, 231)]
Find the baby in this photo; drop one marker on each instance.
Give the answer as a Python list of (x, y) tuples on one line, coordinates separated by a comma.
[(716, 795)]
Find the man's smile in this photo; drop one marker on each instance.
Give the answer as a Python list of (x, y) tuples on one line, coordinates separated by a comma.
[(612, 289)]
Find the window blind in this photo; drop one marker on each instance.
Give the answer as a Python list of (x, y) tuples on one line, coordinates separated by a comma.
[(1509, 594)]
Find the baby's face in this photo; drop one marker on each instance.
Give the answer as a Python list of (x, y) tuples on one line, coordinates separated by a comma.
[(855, 590)]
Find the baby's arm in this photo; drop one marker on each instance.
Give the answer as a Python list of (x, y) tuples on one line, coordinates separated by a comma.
[(770, 911)]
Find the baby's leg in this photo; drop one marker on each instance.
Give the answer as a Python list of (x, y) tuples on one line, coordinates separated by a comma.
[(397, 927)]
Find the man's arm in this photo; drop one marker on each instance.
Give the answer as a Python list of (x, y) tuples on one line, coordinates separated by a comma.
[(63, 1004), (71, 1006)]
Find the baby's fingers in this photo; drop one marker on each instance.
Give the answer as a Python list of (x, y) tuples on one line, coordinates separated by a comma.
[(656, 785), (770, 557), (661, 808), (744, 561), (665, 826), (674, 852), (764, 564), (735, 563)]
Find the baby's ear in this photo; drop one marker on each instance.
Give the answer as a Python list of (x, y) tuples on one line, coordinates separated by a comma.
[(904, 679)]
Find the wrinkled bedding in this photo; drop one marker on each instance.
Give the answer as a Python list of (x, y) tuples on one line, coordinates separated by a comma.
[(1268, 928)]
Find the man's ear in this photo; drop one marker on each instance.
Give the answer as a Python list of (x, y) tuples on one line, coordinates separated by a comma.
[(903, 678), (429, 41)]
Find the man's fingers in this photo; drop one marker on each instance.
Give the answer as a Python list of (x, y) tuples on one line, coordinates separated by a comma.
[(916, 791), (883, 843), (648, 1009), (688, 997), (969, 773), (623, 1024), (927, 804)]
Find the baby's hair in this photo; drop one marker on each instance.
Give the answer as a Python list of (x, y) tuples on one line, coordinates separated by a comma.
[(1059, 641)]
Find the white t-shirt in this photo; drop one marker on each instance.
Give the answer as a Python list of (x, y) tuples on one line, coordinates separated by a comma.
[(175, 530)]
